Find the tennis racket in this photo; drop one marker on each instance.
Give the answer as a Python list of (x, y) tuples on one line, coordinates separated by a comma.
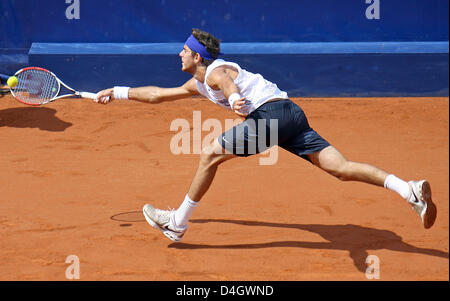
[(38, 86)]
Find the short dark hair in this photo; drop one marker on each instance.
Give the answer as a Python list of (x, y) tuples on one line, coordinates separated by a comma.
[(211, 43)]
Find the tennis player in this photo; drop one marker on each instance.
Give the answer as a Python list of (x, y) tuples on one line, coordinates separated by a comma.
[(251, 96)]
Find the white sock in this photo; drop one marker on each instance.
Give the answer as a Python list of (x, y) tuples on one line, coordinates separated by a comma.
[(183, 214), (398, 185)]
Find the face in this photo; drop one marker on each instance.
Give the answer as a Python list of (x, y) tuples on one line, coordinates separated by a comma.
[(188, 62)]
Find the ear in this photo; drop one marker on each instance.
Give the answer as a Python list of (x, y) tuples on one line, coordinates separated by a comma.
[(197, 58)]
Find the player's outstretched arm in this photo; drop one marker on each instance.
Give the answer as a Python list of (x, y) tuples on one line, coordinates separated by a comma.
[(152, 94)]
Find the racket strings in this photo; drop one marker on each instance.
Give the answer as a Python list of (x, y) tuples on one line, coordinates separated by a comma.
[(36, 86)]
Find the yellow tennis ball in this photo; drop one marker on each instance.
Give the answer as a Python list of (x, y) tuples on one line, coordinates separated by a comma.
[(12, 81)]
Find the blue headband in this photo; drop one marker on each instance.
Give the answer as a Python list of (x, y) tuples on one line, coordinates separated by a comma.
[(198, 47)]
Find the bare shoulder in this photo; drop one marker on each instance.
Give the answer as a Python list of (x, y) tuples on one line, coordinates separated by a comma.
[(220, 73), (224, 70), (191, 86)]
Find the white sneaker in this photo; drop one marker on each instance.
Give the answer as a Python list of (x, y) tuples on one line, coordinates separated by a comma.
[(164, 220), (420, 200)]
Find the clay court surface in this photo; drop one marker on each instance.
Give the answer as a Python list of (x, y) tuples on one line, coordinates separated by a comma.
[(75, 174)]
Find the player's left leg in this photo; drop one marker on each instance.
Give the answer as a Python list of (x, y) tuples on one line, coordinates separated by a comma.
[(417, 193), (332, 161)]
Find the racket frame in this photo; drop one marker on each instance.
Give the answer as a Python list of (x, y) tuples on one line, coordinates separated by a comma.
[(60, 82)]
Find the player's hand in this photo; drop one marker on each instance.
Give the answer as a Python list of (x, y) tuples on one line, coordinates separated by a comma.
[(105, 96), (238, 105)]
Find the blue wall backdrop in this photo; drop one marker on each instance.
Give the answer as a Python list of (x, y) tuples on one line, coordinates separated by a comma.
[(148, 21), (339, 28)]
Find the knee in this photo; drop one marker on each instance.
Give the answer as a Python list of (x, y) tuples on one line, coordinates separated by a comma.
[(210, 157), (341, 171)]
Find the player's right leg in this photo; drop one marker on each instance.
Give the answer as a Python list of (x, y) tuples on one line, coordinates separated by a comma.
[(173, 223), (241, 140), (210, 158)]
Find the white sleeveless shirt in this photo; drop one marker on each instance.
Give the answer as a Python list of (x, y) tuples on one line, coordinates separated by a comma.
[(253, 87)]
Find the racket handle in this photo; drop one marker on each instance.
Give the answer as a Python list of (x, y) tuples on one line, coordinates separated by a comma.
[(89, 95)]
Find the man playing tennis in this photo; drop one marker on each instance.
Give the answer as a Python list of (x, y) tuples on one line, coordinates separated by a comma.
[(249, 95)]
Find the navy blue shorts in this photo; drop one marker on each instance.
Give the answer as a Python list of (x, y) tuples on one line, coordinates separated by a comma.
[(281, 123)]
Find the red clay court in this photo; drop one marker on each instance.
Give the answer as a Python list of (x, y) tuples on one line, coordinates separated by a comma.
[(74, 176)]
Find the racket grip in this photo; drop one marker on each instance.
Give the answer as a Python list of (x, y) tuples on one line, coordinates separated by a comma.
[(89, 95)]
